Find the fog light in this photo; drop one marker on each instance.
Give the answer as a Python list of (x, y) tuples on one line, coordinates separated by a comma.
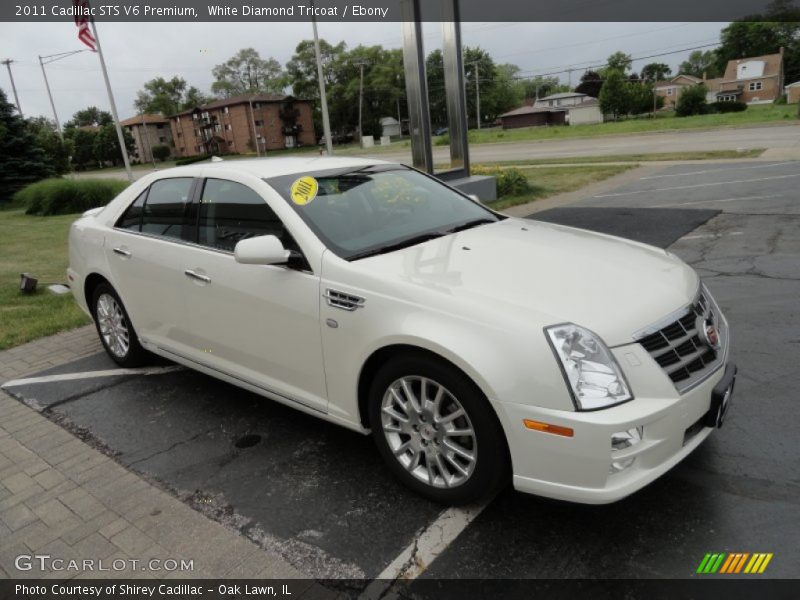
[(625, 439)]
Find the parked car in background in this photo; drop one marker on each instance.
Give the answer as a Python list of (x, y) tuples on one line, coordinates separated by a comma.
[(476, 348)]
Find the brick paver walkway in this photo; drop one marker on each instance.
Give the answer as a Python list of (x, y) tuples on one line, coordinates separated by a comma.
[(61, 497)]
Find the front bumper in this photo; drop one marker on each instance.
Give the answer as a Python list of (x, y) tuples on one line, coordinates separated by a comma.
[(578, 468)]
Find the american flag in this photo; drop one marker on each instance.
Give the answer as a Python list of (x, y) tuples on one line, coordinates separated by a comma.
[(82, 17)]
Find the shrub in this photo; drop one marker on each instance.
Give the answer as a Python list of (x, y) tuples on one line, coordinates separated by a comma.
[(64, 196), (161, 152), (197, 158), (726, 107), (510, 182), (692, 101), (442, 140)]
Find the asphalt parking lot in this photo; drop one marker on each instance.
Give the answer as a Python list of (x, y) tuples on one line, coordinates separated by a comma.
[(320, 496)]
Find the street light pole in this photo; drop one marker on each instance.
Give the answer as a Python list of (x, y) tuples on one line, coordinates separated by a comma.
[(7, 62), (361, 104), (478, 95), (326, 124), (43, 60)]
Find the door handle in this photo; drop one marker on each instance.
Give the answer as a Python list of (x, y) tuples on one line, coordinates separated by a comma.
[(197, 276), (122, 251)]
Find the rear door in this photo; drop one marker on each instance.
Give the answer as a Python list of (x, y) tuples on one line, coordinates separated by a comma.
[(145, 252)]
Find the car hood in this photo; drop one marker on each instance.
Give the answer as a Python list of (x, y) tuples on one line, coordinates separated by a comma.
[(543, 273)]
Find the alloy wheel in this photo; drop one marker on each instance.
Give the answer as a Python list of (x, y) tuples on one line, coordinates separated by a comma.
[(112, 325)]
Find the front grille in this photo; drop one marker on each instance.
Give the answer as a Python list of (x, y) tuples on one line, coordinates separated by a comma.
[(679, 346)]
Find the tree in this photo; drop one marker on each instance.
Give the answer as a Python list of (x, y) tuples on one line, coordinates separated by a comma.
[(640, 97), (58, 150), (302, 72), (89, 117), (247, 73), (22, 160), (591, 84), (619, 61), (161, 152), (700, 63), (168, 97), (692, 101), (656, 71), (106, 144), (83, 156), (614, 97), (539, 87)]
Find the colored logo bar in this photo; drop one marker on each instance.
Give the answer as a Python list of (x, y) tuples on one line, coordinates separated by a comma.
[(734, 563)]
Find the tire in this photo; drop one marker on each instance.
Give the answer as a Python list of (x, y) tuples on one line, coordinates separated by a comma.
[(423, 447), (115, 329)]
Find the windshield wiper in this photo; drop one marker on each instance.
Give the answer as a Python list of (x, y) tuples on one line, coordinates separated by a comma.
[(412, 241), (471, 224)]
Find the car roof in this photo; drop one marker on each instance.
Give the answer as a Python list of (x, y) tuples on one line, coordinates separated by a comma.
[(284, 165)]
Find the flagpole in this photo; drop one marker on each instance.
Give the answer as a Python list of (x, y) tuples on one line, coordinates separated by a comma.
[(113, 104)]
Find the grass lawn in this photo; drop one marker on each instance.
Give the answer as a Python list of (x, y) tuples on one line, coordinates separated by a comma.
[(632, 158), (755, 114), (35, 245), (549, 181)]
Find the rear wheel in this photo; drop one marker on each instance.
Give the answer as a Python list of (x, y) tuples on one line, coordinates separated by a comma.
[(436, 430), (115, 329)]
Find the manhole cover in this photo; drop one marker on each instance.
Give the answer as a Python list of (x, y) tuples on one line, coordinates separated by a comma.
[(247, 441)]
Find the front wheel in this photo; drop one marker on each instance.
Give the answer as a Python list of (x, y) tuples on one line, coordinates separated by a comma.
[(115, 329), (436, 430)]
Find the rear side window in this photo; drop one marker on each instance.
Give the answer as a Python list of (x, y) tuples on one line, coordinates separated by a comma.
[(132, 218), (167, 208), (230, 212)]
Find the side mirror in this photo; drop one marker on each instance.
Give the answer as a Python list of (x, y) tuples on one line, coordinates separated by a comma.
[(261, 250)]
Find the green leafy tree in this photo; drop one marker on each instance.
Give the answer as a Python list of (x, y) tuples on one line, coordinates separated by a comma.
[(89, 117), (106, 144), (22, 160), (641, 97), (539, 87), (591, 83), (700, 63), (247, 73), (692, 101), (619, 61), (82, 140), (655, 71), (58, 150), (161, 152), (168, 97), (614, 96)]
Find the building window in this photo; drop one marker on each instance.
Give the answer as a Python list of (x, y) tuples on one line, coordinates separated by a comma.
[(230, 142), (670, 91), (217, 127), (160, 126), (256, 105), (162, 139), (228, 127), (226, 110), (194, 116), (180, 134), (259, 123), (726, 98), (755, 86), (177, 119)]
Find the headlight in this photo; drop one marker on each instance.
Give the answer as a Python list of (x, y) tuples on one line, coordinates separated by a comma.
[(591, 372)]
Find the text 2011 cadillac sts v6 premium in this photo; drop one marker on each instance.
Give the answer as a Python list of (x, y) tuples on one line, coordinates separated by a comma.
[(475, 347)]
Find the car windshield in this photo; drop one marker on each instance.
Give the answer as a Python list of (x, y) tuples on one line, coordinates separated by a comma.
[(363, 211)]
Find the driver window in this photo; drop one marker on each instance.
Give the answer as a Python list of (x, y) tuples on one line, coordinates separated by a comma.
[(230, 212)]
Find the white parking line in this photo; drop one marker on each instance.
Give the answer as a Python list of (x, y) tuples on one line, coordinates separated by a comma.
[(90, 375), (674, 204), (697, 185), (423, 550), (710, 235), (704, 171)]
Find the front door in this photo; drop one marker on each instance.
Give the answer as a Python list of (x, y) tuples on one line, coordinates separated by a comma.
[(257, 323)]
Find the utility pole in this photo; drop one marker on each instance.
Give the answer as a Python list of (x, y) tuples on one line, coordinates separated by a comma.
[(50, 95), (361, 103), (477, 95), (7, 62), (326, 124)]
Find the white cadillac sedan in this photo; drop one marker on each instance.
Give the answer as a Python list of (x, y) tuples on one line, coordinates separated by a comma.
[(476, 348)]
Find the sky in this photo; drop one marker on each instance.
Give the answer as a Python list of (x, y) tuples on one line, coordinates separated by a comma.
[(138, 52)]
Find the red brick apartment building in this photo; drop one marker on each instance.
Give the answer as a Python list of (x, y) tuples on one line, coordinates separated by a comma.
[(237, 124)]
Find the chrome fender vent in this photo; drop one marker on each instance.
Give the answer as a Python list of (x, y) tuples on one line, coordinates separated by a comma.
[(342, 300)]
